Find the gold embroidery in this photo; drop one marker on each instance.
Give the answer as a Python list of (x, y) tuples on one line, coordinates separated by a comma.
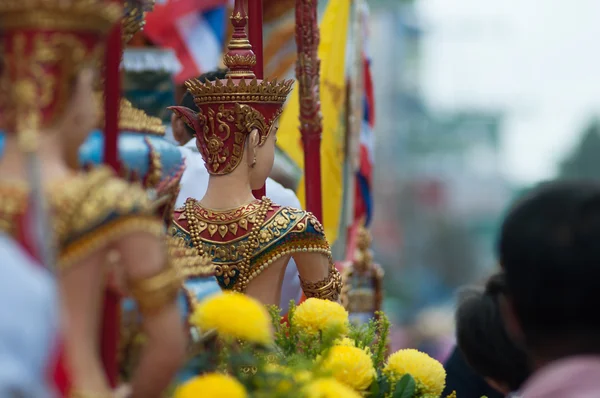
[(228, 271), (282, 235), (89, 210), (187, 261), (101, 237), (224, 222), (13, 205)]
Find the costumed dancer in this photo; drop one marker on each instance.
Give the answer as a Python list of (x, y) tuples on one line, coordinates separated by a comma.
[(249, 240), (147, 158), (50, 51), (194, 184)]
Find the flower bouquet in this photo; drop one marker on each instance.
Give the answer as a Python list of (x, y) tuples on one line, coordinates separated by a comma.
[(315, 353)]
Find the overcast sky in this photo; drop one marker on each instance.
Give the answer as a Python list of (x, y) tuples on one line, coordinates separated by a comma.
[(537, 60)]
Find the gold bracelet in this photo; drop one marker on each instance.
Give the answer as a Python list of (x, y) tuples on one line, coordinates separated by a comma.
[(326, 289), (90, 394), (153, 293)]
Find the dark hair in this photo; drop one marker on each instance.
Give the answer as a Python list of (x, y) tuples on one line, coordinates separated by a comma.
[(483, 339), (188, 99), (549, 248)]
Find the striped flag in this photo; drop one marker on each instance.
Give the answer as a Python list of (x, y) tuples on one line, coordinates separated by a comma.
[(194, 29), (364, 175)]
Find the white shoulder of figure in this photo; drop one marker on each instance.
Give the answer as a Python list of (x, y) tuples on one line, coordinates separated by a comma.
[(29, 319), (281, 195), (195, 177)]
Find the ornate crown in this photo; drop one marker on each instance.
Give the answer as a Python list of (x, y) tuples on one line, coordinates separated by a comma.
[(133, 119), (59, 15), (231, 109), (44, 43)]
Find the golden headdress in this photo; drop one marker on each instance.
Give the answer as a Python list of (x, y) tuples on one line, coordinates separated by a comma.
[(133, 22), (231, 109), (43, 45)]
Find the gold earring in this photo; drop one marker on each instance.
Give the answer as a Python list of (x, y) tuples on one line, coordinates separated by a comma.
[(253, 162)]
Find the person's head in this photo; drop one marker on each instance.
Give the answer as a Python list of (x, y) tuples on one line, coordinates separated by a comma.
[(49, 71), (181, 131), (484, 341), (550, 253), (236, 124)]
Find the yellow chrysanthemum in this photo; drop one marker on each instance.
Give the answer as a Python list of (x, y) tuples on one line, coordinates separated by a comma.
[(351, 366), (212, 385), (428, 373), (329, 388), (235, 316), (315, 315)]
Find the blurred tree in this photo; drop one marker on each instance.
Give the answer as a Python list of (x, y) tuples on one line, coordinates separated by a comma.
[(584, 161)]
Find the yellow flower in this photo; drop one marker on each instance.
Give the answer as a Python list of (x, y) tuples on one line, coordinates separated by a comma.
[(351, 366), (329, 388), (316, 315), (212, 385), (428, 373), (235, 316)]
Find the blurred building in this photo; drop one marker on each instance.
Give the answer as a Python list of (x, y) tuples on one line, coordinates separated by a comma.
[(439, 191)]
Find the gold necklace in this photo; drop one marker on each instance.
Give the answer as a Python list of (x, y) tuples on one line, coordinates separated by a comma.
[(253, 242)]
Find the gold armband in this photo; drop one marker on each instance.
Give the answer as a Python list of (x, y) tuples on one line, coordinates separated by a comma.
[(90, 394), (326, 289), (153, 293)]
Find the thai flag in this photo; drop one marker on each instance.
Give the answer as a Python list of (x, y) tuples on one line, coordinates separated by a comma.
[(364, 176), (194, 29)]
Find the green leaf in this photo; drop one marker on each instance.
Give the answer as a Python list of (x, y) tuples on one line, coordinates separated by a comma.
[(384, 386), (374, 389), (405, 388)]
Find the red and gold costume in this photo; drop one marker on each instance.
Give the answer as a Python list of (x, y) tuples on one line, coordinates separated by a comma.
[(43, 45), (243, 242)]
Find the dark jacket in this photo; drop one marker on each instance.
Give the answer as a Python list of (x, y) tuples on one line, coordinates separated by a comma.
[(462, 379)]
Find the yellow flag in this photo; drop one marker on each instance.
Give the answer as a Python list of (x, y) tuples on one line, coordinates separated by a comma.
[(332, 52)]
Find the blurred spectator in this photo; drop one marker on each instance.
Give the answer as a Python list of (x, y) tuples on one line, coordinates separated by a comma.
[(551, 256), (462, 379), (483, 339)]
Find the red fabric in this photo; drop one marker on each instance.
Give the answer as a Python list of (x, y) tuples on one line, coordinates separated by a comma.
[(58, 371), (109, 339)]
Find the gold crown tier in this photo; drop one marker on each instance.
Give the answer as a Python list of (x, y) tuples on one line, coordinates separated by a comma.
[(133, 119), (242, 91)]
